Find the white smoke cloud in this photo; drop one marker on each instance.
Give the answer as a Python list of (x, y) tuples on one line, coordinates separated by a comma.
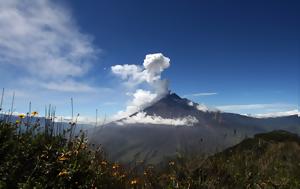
[(141, 98), (190, 103), (202, 107), (141, 117), (132, 73), (149, 73)]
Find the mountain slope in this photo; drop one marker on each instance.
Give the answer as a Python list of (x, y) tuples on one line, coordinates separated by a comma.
[(213, 132)]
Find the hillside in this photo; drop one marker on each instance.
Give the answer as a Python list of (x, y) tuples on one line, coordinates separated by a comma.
[(269, 160)]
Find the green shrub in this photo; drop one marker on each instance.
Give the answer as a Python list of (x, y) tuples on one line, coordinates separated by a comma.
[(38, 160)]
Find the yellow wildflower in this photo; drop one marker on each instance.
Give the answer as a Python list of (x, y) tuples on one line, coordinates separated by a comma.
[(21, 116), (34, 113), (17, 121), (64, 172), (62, 157), (133, 182), (115, 166)]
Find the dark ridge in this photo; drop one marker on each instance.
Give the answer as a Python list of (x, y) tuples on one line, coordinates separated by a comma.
[(279, 136)]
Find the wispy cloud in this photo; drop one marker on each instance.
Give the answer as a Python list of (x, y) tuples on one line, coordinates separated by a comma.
[(40, 40), (66, 85), (278, 114), (201, 94), (238, 107), (109, 103)]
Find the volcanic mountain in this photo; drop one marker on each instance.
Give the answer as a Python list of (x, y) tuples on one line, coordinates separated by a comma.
[(174, 124)]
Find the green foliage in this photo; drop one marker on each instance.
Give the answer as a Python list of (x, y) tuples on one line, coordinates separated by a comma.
[(32, 159), (37, 160), (269, 160)]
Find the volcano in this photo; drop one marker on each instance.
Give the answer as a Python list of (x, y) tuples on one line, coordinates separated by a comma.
[(173, 125)]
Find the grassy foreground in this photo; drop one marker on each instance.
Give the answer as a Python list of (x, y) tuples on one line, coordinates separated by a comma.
[(34, 159)]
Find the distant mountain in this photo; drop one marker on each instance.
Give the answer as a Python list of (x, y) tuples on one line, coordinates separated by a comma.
[(61, 125), (172, 106), (158, 130)]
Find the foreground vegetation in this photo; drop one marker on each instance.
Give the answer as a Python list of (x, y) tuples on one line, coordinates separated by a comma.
[(32, 156)]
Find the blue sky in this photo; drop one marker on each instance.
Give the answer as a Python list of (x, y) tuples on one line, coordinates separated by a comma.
[(240, 56)]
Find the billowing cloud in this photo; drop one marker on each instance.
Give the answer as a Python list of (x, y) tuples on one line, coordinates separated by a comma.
[(190, 103), (141, 99), (142, 118), (132, 73), (150, 74), (201, 107), (40, 40)]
